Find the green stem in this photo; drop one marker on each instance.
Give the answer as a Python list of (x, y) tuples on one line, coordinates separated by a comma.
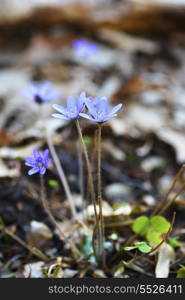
[(99, 187)]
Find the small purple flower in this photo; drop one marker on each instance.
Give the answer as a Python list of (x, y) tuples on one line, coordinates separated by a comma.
[(41, 92), (75, 106), (94, 101), (84, 49), (38, 162), (100, 112)]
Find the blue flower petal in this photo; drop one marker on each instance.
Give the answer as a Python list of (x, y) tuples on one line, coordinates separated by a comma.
[(33, 171), (86, 116), (60, 116), (45, 154), (71, 103), (36, 153), (116, 108), (29, 161), (81, 102), (92, 109), (60, 108), (42, 170)]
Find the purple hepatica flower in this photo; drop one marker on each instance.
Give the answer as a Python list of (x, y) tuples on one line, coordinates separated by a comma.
[(94, 101), (75, 106), (38, 162), (41, 92), (100, 112), (84, 49)]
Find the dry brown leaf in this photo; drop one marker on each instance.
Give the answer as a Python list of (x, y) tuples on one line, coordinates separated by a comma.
[(166, 255)]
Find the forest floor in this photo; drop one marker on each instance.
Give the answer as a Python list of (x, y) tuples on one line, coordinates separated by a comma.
[(142, 149)]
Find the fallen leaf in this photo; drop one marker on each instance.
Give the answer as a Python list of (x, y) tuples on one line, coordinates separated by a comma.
[(165, 256)]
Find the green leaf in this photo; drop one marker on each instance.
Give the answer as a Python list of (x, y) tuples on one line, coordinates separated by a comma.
[(159, 224), (130, 248), (141, 246), (144, 248), (173, 241), (154, 237), (140, 225), (53, 183), (181, 273)]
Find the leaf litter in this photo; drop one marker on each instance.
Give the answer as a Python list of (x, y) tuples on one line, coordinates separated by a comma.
[(142, 149)]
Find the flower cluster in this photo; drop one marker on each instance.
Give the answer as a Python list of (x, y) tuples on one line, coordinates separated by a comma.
[(41, 92), (38, 162), (99, 110), (96, 109)]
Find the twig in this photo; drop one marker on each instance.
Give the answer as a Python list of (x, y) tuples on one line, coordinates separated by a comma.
[(33, 250), (169, 203), (131, 239), (162, 203)]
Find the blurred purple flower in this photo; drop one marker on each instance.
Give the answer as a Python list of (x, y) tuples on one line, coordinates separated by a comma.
[(63, 2), (85, 49), (38, 162), (75, 106), (100, 111), (41, 92)]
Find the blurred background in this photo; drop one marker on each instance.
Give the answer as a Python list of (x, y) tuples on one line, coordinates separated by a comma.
[(138, 59)]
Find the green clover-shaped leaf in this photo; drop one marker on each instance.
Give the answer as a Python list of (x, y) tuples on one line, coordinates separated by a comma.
[(140, 225), (153, 237), (144, 248), (159, 224), (152, 228)]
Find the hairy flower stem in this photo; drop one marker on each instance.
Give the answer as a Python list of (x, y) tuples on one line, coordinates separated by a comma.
[(61, 175), (89, 169), (100, 203), (47, 209), (53, 221), (81, 180), (90, 181)]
